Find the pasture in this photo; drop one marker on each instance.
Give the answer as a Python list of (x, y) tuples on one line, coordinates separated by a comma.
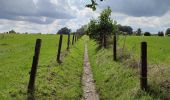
[(53, 81), (120, 80), (113, 80)]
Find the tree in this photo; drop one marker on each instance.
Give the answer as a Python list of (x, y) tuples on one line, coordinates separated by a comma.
[(64, 30), (93, 30), (103, 27), (168, 31), (147, 34), (139, 32), (160, 33), (12, 32), (82, 30), (126, 29)]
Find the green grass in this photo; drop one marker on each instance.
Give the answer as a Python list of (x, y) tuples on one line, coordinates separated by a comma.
[(158, 61), (52, 81), (116, 80), (158, 47)]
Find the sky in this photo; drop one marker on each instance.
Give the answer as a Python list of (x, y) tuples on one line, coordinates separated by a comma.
[(48, 16)]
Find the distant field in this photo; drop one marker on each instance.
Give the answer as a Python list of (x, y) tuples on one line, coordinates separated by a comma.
[(16, 53), (120, 80), (158, 47)]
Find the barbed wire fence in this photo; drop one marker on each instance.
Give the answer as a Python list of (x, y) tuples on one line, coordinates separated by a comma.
[(158, 74)]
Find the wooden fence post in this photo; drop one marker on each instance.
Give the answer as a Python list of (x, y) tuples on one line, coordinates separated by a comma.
[(73, 40), (75, 37), (114, 48), (68, 42), (31, 85), (59, 48), (143, 73)]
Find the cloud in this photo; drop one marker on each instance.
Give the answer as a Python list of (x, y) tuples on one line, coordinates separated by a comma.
[(41, 11), (83, 16), (152, 24), (139, 8), (43, 15)]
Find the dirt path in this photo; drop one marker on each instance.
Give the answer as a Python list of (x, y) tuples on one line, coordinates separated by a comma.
[(87, 80)]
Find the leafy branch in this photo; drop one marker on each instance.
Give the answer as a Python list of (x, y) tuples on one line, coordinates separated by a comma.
[(92, 5)]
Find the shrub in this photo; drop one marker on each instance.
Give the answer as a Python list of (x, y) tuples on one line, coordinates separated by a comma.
[(160, 33), (12, 32), (138, 32), (127, 29), (147, 34), (64, 30)]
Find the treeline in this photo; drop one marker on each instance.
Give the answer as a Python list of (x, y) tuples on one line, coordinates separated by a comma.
[(79, 32), (14, 32), (11, 32), (128, 30)]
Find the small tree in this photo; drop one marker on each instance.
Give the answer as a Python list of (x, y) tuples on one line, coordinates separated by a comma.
[(12, 32), (93, 30), (168, 32), (103, 27), (147, 34), (82, 30), (160, 33), (125, 29), (139, 32), (64, 30)]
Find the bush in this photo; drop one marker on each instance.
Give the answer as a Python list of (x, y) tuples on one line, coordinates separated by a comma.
[(12, 32), (160, 33), (64, 30), (138, 32), (147, 34), (127, 29)]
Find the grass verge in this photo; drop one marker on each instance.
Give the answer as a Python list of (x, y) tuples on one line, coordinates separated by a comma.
[(115, 80)]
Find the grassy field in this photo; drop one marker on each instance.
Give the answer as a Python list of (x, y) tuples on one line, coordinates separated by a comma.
[(158, 47), (120, 80), (53, 81), (114, 80)]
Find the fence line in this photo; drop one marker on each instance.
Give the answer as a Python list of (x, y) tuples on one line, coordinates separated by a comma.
[(31, 84)]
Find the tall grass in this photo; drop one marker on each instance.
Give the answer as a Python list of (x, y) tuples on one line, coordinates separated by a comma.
[(119, 80)]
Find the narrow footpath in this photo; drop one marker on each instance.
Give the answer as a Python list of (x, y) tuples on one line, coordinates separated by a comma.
[(89, 92)]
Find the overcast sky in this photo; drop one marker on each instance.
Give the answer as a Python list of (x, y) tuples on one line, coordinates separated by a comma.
[(48, 16)]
